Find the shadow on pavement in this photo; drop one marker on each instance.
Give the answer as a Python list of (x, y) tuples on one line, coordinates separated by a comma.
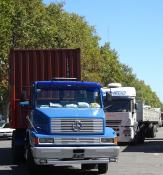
[(5, 156), (7, 167), (154, 145), (51, 171), (65, 171)]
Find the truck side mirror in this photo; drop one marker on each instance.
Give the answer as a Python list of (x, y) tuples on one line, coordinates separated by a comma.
[(136, 106), (105, 98), (23, 99), (108, 97), (23, 95)]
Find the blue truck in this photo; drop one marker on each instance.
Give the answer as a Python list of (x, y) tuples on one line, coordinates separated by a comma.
[(65, 126)]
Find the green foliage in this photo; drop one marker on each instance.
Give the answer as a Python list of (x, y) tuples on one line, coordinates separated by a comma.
[(110, 65), (6, 11), (29, 24), (113, 71), (145, 93), (32, 24)]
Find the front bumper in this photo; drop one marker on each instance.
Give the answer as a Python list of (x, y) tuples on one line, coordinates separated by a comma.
[(75, 155), (6, 134)]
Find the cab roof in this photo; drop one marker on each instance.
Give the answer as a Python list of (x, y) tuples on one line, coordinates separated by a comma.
[(42, 84)]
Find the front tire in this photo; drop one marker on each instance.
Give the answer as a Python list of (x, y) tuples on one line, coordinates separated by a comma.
[(30, 164), (153, 131), (102, 168), (87, 167)]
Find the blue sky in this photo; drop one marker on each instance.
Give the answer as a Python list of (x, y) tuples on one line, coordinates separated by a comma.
[(134, 29)]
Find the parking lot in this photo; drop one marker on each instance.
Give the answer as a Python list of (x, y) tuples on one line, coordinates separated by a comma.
[(144, 159)]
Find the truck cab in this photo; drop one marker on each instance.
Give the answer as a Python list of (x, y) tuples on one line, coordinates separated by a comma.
[(120, 109), (66, 125)]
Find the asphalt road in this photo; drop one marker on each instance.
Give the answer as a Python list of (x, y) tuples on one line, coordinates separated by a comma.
[(144, 159)]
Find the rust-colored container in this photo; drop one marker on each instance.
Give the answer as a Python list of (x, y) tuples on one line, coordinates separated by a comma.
[(28, 65)]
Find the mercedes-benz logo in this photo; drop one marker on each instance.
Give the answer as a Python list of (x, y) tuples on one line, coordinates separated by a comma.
[(77, 125)]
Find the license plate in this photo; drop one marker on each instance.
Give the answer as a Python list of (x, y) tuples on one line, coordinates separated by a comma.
[(78, 154)]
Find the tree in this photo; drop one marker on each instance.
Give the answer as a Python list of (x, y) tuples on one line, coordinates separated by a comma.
[(32, 24), (110, 65), (6, 11)]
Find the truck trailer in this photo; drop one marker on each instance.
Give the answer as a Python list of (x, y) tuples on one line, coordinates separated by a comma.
[(148, 118), (131, 119), (57, 121)]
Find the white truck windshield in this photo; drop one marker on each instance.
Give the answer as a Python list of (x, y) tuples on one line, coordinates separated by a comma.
[(118, 105)]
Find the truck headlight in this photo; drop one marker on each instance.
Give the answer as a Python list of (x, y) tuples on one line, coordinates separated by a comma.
[(46, 140), (109, 140)]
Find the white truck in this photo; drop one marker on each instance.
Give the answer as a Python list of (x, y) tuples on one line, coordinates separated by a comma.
[(132, 120), (148, 118)]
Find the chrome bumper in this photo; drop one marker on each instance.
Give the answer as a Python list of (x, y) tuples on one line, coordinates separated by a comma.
[(5, 134), (74, 155)]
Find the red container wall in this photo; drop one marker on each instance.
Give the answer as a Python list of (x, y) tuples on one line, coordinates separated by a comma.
[(29, 65)]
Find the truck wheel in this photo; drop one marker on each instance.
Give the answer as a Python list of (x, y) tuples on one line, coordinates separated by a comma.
[(102, 168), (141, 140), (17, 147), (149, 130), (30, 164), (139, 137), (86, 167), (153, 131)]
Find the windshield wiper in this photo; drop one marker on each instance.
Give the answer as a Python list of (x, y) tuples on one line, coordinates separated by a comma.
[(107, 107)]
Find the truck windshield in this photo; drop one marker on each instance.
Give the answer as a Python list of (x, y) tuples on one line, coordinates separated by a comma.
[(120, 105), (68, 98)]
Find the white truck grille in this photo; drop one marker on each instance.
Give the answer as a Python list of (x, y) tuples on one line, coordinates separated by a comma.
[(74, 125), (112, 123)]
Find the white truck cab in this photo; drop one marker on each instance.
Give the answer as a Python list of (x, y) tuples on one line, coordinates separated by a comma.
[(131, 119), (120, 110)]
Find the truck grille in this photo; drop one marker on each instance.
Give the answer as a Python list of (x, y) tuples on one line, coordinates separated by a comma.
[(77, 140), (76, 126), (112, 123)]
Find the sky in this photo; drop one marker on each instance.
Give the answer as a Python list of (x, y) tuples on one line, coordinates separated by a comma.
[(134, 28)]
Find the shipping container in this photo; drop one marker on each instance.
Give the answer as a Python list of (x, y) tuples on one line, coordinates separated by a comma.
[(29, 65)]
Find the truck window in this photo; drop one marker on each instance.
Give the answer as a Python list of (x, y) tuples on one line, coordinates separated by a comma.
[(118, 105), (71, 98)]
